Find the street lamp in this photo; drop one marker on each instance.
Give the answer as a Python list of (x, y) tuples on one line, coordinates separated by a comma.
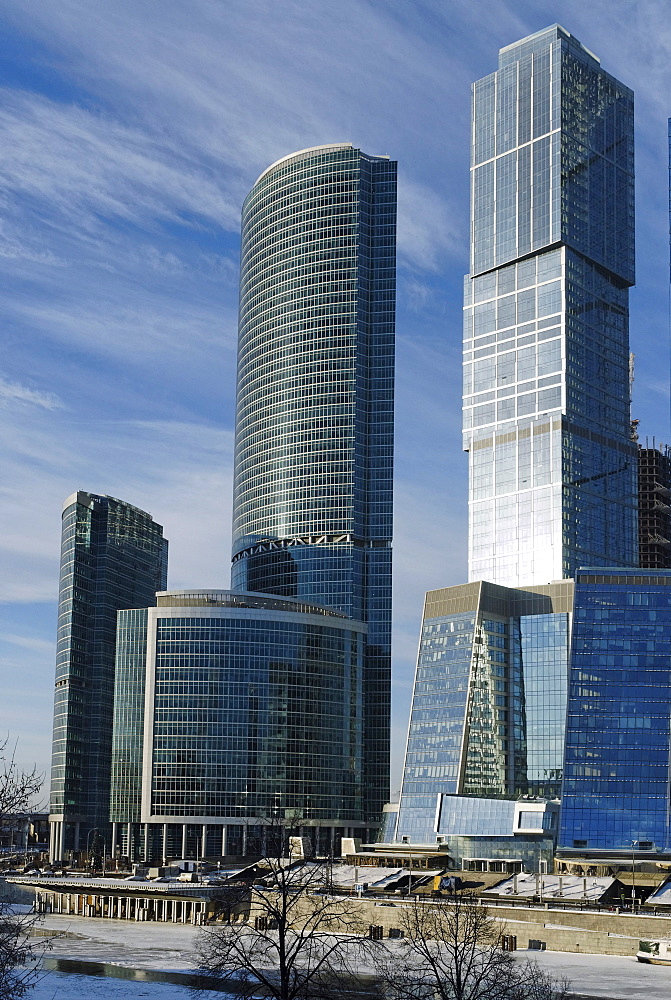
[(25, 857), (88, 841)]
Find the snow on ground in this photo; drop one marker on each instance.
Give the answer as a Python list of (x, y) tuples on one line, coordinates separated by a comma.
[(608, 976)]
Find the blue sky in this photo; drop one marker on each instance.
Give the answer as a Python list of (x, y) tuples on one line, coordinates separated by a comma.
[(130, 132)]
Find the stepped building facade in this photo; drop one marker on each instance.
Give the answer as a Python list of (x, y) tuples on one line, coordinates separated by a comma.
[(552, 463)]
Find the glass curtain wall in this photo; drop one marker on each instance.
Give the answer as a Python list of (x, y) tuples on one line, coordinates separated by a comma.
[(232, 710), (113, 556), (618, 745), (552, 467), (314, 423), (489, 699)]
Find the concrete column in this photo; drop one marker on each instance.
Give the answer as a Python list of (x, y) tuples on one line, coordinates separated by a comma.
[(77, 844), (223, 840), (146, 842), (114, 840), (165, 841), (55, 841), (203, 842), (184, 841)]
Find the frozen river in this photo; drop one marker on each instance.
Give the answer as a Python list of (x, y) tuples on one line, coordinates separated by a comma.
[(170, 948), (69, 986), (121, 949)]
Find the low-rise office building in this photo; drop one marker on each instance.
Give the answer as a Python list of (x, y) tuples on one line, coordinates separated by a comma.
[(615, 802), (233, 712)]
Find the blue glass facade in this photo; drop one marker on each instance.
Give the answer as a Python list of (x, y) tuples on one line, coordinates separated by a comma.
[(618, 734), (232, 708), (544, 652), (112, 556), (552, 466), (128, 725), (314, 422), (489, 699)]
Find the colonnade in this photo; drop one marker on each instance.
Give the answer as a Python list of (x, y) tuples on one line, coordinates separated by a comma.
[(176, 911)]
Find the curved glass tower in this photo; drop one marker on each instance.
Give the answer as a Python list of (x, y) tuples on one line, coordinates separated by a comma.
[(312, 515)]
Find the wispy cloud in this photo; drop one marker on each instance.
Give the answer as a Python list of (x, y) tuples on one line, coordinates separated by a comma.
[(88, 167), (14, 392), (30, 642)]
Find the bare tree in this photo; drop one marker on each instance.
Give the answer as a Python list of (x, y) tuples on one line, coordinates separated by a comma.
[(17, 787), (299, 941), (19, 959), (453, 951)]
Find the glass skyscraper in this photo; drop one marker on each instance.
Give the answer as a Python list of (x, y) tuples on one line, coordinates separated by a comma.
[(489, 702), (232, 710), (618, 734), (312, 514), (552, 464), (113, 556)]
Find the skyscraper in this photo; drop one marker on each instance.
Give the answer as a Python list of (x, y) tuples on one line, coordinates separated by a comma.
[(552, 457), (312, 514), (552, 464), (113, 556)]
